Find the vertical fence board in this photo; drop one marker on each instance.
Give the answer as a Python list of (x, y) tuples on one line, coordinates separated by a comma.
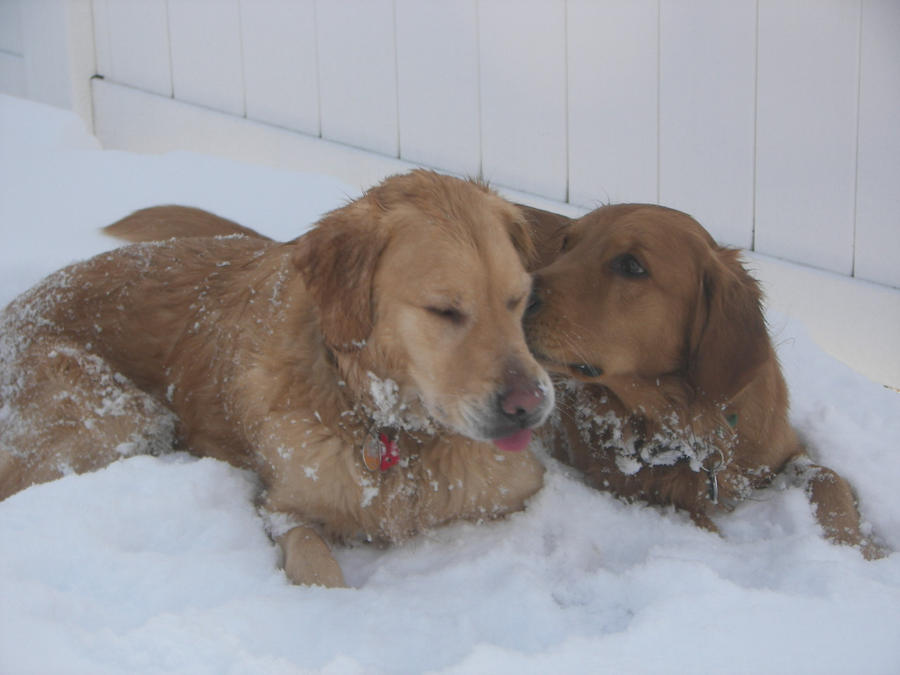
[(12, 74), (878, 183), (132, 43), (206, 53), (56, 64), (10, 27), (12, 62), (279, 43), (706, 127), (357, 73), (806, 130), (523, 94), (437, 80), (103, 37), (613, 102)]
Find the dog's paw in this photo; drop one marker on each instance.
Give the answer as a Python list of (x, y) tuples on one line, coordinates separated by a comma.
[(308, 560)]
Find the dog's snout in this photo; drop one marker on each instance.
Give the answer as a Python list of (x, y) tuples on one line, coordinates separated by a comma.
[(521, 402), (521, 398)]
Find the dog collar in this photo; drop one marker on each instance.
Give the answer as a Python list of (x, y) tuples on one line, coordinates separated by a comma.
[(380, 452), (712, 490)]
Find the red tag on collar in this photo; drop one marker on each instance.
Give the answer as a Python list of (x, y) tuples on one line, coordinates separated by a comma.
[(390, 452), (380, 454)]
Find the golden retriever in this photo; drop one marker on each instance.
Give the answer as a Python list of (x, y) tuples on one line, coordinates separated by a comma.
[(669, 390), (373, 372), (689, 407)]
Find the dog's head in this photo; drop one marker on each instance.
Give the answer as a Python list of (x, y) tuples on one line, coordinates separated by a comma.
[(422, 281), (640, 292)]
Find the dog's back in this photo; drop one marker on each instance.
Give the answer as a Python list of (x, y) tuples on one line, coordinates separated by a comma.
[(88, 356)]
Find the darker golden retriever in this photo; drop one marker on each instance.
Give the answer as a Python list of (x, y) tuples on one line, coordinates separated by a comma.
[(371, 372), (669, 389)]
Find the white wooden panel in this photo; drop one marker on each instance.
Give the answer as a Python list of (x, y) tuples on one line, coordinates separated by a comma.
[(878, 191), (706, 113), (130, 119), (853, 321), (613, 100), (358, 74), (806, 130), (10, 27), (58, 53), (132, 43), (523, 94), (437, 80), (12, 74), (103, 38), (206, 53), (12, 63), (279, 43)]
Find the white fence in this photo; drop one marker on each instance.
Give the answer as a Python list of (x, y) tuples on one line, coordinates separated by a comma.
[(775, 122)]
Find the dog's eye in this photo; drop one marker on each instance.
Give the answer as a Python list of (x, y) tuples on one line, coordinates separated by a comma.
[(628, 266), (565, 244), (514, 303), (450, 314), (586, 369)]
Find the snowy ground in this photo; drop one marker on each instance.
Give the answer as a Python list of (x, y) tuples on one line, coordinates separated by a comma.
[(162, 566)]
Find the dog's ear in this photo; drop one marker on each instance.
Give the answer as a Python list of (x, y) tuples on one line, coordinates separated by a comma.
[(523, 240), (546, 230), (337, 260), (729, 339)]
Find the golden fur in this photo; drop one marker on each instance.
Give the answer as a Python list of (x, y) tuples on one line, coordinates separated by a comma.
[(399, 313), (692, 399), (669, 391)]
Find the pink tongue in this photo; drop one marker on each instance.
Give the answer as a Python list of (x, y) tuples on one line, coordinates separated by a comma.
[(515, 442)]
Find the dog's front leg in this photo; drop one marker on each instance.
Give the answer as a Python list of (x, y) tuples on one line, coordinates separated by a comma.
[(303, 467), (308, 560)]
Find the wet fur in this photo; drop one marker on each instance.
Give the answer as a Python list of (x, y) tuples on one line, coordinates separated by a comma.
[(699, 355), (690, 383), (287, 358)]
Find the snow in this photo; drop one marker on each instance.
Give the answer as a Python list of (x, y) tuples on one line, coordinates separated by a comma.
[(162, 565)]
